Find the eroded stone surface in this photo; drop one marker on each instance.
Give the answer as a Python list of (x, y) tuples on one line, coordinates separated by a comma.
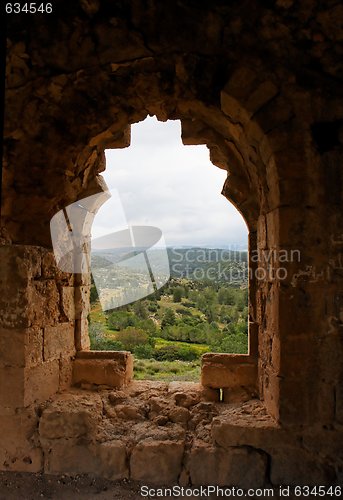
[(107, 369), (142, 433), (260, 84), (235, 466)]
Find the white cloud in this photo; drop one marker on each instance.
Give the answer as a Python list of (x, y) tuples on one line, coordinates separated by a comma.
[(163, 183)]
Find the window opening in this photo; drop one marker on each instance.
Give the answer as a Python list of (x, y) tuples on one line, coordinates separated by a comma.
[(203, 305)]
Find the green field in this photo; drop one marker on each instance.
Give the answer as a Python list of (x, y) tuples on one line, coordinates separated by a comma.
[(169, 331), (168, 371)]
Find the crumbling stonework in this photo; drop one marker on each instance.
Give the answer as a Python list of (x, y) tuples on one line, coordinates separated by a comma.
[(106, 368), (259, 84), (164, 433)]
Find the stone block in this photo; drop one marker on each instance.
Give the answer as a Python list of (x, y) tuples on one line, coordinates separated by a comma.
[(238, 394), (14, 305), (253, 339), (18, 451), (20, 348), (21, 386), (59, 341), (24, 458), (44, 303), (261, 234), (109, 368), (252, 427), (339, 401), (194, 132), (41, 382), (68, 421), (274, 113), (232, 108), (232, 371), (68, 302), (66, 373), (298, 401), (12, 387), (19, 264), (69, 456), (293, 466), (82, 302), (26, 298), (157, 461), (82, 340), (260, 96), (242, 82), (209, 394), (270, 393), (51, 271), (112, 456), (240, 467), (324, 441)]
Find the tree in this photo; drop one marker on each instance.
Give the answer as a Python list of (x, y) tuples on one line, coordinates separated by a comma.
[(99, 340), (177, 294), (145, 351), (226, 296), (93, 294), (211, 313), (147, 325), (169, 318), (132, 337), (139, 308), (120, 319), (209, 295)]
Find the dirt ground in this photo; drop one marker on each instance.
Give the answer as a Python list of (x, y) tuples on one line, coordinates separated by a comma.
[(28, 486), (21, 486)]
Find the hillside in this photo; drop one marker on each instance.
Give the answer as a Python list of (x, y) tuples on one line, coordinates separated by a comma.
[(170, 329)]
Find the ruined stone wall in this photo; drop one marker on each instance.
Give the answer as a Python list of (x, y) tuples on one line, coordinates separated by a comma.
[(260, 84), (36, 346)]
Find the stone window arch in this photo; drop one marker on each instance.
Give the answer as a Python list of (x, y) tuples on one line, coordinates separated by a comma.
[(247, 132), (237, 144)]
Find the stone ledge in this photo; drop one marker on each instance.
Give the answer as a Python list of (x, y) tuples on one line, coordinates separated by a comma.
[(235, 373), (246, 424), (117, 355), (103, 368), (243, 467)]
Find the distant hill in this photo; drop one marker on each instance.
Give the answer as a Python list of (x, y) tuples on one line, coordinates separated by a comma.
[(195, 263)]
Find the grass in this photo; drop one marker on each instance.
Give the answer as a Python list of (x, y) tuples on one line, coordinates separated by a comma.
[(199, 348), (151, 369), (96, 314), (167, 371), (167, 303)]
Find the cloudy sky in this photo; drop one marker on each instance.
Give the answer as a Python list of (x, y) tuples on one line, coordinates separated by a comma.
[(160, 182)]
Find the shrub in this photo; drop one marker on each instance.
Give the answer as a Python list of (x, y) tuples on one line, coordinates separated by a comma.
[(93, 294), (188, 303), (184, 312), (147, 325), (234, 343), (177, 294), (139, 308), (152, 307), (172, 353), (169, 318), (119, 320), (132, 337), (99, 341), (145, 351)]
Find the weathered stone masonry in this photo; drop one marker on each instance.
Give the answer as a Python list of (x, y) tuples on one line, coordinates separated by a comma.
[(260, 84)]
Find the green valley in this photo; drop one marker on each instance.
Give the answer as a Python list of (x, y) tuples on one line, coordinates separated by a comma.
[(169, 330)]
